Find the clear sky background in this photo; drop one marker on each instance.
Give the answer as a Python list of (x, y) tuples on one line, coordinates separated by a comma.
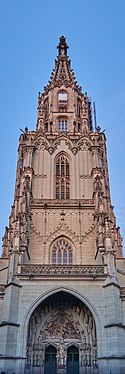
[(29, 34)]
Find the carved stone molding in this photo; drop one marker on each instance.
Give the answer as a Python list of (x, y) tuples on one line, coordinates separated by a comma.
[(68, 203), (122, 293), (2, 288), (40, 176), (82, 176), (77, 270)]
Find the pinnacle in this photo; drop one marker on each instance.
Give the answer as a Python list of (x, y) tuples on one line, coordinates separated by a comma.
[(62, 46), (62, 74)]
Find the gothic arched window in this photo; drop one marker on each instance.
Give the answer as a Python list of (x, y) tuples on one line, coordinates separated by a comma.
[(62, 252), (62, 177), (62, 124)]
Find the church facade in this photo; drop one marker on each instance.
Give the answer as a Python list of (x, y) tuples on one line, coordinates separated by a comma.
[(62, 271)]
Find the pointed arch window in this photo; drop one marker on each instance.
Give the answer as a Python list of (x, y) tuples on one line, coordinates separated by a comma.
[(62, 124), (62, 252), (62, 177)]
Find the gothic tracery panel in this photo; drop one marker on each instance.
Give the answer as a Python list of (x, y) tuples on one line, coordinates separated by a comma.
[(62, 177), (62, 252)]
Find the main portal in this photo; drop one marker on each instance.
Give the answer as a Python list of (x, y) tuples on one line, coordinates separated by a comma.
[(62, 337)]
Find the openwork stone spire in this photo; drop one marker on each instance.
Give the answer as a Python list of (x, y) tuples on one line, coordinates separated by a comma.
[(62, 74)]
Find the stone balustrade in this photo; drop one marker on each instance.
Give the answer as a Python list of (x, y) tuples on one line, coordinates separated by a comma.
[(63, 270)]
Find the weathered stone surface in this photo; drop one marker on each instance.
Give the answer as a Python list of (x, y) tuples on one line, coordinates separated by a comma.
[(62, 272)]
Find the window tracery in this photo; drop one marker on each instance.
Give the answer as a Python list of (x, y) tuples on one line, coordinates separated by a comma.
[(62, 177), (79, 105), (46, 107), (62, 124), (62, 252)]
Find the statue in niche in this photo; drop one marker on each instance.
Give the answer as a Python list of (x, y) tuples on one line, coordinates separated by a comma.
[(86, 355), (61, 357), (86, 319), (89, 357), (28, 355), (97, 184), (27, 183)]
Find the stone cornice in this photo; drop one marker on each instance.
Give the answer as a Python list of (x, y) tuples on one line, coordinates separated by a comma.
[(9, 323), (112, 357), (111, 284), (115, 325), (92, 272), (11, 357), (71, 203)]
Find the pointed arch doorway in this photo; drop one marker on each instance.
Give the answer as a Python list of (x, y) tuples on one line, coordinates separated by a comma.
[(62, 336), (50, 360), (72, 360)]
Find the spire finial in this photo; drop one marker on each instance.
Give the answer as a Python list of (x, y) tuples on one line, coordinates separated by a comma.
[(62, 46)]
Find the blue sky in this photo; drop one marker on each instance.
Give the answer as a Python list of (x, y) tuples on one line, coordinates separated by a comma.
[(29, 34)]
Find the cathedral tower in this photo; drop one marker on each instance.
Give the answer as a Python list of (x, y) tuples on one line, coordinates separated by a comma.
[(62, 278)]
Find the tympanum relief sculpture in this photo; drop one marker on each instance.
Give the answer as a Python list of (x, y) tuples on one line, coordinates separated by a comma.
[(60, 321)]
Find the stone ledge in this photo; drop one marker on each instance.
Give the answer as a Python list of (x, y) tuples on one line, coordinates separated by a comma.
[(59, 203), (12, 357), (112, 357), (5, 323), (13, 283), (115, 325), (62, 270), (111, 284)]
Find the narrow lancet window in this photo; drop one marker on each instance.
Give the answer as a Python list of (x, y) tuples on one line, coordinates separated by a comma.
[(62, 178), (62, 125)]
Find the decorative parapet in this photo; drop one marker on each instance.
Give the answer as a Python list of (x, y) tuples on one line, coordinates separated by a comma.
[(122, 293), (65, 270), (68, 203)]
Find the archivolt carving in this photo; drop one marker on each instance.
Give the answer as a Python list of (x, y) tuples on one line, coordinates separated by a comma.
[(61, 320)]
